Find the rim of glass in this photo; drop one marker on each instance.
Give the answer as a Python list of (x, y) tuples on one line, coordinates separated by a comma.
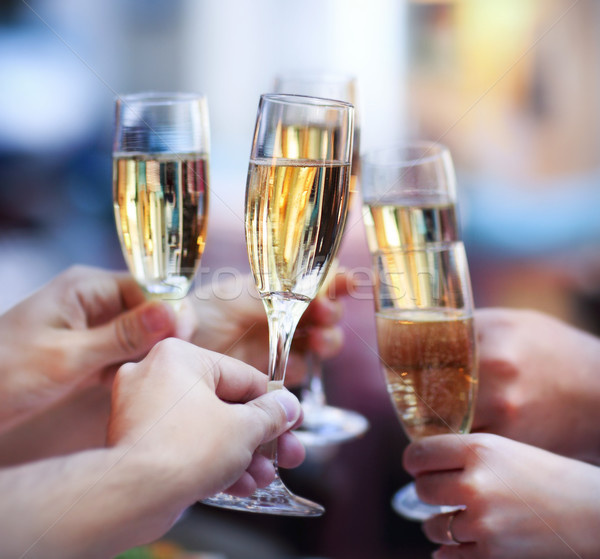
[(160, 97), (432, 151), (294, 99)]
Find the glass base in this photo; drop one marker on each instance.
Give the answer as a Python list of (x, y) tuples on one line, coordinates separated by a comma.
[(406, 503), (325, 425), (275, 499)]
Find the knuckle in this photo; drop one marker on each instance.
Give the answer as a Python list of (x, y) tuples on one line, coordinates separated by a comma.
[(125, 333), (76, 273), (164, 349), (274, 417)]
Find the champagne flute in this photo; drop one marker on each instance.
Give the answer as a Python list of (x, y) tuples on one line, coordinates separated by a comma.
[(423, 296), (160, 188), (296, 207), (325, 424), (427, 346)]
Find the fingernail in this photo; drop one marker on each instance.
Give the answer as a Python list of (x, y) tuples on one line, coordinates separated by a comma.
[(289, 403), (155, 318)]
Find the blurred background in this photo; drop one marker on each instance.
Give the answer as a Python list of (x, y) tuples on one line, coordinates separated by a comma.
[(511, 86)]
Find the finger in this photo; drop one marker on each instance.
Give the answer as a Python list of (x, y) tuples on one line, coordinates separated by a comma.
[(341, 284), (186, 321), (435, 453), (274, 413), (261, 469), (326, 342), (101, 294), (232, 380), (441, 488), (323, 312), (131, 293), (243, 487), (130, 335), (290, 451), (442, 528), (237, 381), (261, 472)]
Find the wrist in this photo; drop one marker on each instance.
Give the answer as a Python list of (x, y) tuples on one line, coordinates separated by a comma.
[(128, 500)]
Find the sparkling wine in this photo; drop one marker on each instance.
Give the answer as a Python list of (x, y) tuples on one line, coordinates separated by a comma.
[(410, 223), (160, 204), (429, 362), (295, 214), (355, 169)]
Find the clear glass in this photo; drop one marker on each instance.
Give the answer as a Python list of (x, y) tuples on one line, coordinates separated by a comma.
[(160, 188), (296, 206), (427, 346), (325, 424), (411, 221), (409, 196)]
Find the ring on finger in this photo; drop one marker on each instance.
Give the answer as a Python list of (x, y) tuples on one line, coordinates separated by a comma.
[(449, 533)]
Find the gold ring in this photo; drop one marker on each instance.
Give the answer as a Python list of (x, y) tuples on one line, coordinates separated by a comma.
[(449, 533)]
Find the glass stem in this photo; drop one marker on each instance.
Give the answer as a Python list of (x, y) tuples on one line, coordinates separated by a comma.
[(313, 395), (283, 316)]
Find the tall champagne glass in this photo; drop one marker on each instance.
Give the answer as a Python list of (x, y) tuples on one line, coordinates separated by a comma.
[(160, 188), (325, 424), (427, 346), (296, 206), (423, 297)]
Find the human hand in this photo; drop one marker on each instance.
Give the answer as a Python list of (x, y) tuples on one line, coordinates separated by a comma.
[(185, 423), (200, 418), (231, 319), (538, 382), (521, 501), (72, 333)]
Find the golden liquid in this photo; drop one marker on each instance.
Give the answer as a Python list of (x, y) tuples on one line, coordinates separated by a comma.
[(410, 224), (161, 205), (429, 362), (295, 215), (355, 169)]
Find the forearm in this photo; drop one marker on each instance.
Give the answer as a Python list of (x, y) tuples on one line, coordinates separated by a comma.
[(93, 504), (51, 433)]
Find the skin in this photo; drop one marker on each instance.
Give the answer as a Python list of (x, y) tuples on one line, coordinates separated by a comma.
[(538, 382), (185, 423), (232, 320), (536, 498), (86, 477), (71, 334), (62, 346), (522, 501)]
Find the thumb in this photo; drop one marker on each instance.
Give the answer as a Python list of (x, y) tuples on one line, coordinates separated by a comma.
[(131, 334), (279, 411)]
